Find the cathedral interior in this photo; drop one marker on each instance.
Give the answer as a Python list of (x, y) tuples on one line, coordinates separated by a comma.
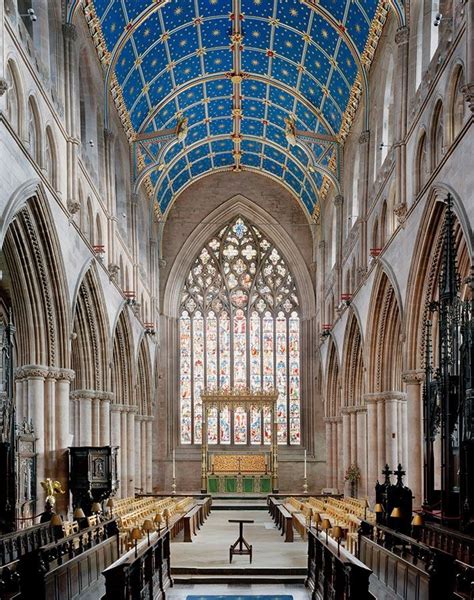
[(236, 286)]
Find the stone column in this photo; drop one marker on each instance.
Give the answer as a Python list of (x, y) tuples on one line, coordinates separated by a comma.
[(372, 474), (50, 419), (364, 141), (329, 457), (340, 466), (468, 88), (134, 235), (115, 440), (392, 400), (354, 438), (335, 458), (339, 208), (138, 453), (85, 409), (414, 406), (71, 109), (144, 445), (400, 125), (35, 376), (19, 408), (63, 429), (131, 450), (62, 432), (381, 455), (361, 417), (95, 419), (346, 445), (149, 439), (124, 451), (104, 428)]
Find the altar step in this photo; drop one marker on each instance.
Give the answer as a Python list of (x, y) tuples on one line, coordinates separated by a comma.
[(229, 502), (240, 575)]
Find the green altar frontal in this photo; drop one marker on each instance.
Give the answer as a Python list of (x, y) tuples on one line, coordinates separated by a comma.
[(240, 484)]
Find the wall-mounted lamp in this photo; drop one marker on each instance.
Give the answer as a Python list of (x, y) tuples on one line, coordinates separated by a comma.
[(30, 14), (437, 19)]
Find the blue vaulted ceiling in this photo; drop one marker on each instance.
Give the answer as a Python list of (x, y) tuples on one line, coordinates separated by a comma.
[(176, 59)]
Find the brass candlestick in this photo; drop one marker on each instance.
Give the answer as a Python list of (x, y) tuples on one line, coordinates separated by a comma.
[(173, 486), (305, 485)]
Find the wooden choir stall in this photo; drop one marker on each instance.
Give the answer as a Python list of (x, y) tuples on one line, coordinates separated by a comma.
[(254, 469)]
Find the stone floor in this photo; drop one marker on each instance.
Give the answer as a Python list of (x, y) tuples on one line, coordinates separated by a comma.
[(208, 556), (210, 548)]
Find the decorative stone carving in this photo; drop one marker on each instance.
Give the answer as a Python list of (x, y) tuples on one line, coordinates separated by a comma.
[(416, 376), (162, 263), (70, 31), (113, 271), (468, 92), (401, 37), (364, 137), (32, 371), (401, 212), (65, 375), (3, 86), (338, 200), (73, 207)]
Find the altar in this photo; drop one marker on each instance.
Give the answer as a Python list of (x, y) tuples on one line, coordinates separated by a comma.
[(239, 473), (254, 469)]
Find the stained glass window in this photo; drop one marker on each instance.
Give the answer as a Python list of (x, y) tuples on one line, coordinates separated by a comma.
[(240, 327)]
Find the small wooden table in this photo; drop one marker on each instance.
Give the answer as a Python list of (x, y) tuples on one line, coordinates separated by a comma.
[(241, 541)]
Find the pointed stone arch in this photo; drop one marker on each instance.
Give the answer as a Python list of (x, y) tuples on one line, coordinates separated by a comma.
[(239, 205), (122, 376), (90, 347), (353, 372), (39, 291)]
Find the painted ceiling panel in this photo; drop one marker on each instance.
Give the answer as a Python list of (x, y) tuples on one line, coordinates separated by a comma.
[(238, 71)]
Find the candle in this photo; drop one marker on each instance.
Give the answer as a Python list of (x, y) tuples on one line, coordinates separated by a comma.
[(305, 463), (174, 465)]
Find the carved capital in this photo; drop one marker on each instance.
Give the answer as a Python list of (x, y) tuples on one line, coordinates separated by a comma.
[(3, 86), (322, 244), (162, 263), (70, 31), (134, 198), (34, 372), (338, 200), (393, 396), (416, 376), (73, 206), (468, 92), (372, 398), (401, 37), (65, 375), (364, 137)]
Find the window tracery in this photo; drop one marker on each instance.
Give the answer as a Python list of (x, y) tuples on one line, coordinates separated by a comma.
[(239, 327)]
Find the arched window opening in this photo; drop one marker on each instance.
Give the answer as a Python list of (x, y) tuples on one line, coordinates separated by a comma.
[(33, 134), (355, 190), (239, 326), (98, 228), (419, 47), (387, 124), (421, 164), (457, 107), (437, 135), (375, 236), (13, 101), (333, 238), (383, 225), (90, 223), (50, 158), (434, 33)]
